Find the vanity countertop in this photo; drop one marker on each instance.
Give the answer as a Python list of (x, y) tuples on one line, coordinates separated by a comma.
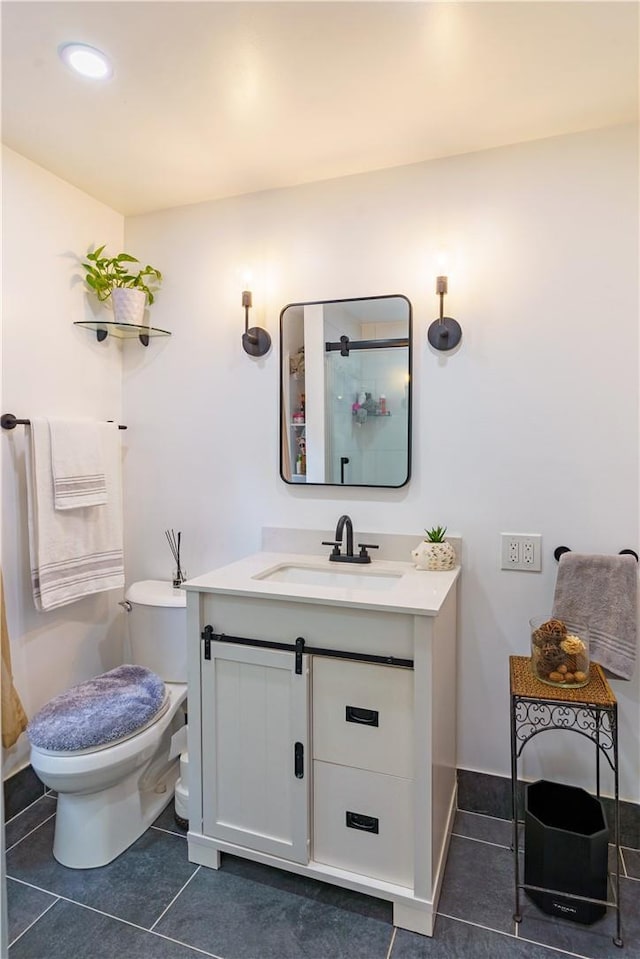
[(381, 585)]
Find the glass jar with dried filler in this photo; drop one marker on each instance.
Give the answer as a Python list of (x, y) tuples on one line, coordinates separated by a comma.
[(560, 652)]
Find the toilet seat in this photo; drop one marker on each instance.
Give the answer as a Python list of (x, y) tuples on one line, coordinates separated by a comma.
[(113, 742), (98, 712)]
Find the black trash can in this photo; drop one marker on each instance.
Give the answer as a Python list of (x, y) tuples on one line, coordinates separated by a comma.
[(565, 848)]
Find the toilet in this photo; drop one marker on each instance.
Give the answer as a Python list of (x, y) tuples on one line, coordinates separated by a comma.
[(110, 792)]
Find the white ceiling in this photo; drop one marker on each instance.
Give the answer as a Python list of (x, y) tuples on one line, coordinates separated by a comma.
[(217, 99)]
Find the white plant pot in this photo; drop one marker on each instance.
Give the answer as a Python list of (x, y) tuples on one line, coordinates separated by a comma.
[(128, 306), (434, 556)]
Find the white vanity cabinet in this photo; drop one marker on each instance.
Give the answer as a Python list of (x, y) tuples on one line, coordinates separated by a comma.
[(322, 731)]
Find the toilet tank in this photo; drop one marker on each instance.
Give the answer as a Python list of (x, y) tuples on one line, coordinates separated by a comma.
[(158, 628)]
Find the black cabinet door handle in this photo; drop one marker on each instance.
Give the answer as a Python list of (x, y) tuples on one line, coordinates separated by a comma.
[(298, 760), (365, 717), (356, 820)]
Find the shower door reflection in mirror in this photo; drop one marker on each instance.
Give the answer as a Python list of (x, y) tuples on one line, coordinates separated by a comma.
[(345, 392)]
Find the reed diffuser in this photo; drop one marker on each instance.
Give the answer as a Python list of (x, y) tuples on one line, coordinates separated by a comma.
[(173, 539)]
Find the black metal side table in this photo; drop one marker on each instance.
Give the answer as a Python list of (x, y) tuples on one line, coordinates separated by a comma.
[(591, 711)]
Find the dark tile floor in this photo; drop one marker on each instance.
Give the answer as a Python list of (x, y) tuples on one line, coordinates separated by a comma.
[(152, 903)]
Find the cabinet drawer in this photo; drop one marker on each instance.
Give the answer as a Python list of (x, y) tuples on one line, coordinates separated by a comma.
[(363, 822), (363, 715)]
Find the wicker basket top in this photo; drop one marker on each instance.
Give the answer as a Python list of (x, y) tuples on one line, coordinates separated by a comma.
[(524, 684)]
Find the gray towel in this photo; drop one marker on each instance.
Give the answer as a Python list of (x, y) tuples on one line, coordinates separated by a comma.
[(601, 592)]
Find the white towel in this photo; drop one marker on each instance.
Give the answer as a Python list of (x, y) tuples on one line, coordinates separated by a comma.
[(77, 464), (601, 592), (74, 552)]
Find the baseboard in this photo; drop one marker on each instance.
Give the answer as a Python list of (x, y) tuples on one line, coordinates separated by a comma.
[(478, 792), (20, 790), (491, 796)]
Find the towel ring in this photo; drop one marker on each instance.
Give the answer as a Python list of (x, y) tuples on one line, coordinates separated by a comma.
[(560, 550)]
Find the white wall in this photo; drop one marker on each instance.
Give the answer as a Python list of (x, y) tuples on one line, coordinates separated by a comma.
[(531, 426), (50, 367)]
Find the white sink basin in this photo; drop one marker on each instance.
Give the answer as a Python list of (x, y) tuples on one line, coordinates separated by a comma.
[(343, 577)]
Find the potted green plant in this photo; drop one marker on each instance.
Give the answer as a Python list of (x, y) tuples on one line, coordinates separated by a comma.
[(434, 552), (129, 287)]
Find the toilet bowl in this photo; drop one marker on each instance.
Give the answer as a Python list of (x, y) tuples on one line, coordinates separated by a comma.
[(109, 793)]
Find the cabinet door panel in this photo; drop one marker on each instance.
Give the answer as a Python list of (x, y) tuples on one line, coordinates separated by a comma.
[(363, 716), (254, 742), (363, 822)]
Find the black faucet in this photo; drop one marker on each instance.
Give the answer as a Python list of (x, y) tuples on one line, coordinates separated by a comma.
[(348, 557), (342, 522)]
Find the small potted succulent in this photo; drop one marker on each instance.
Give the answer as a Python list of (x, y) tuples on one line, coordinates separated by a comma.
[(129, 287), (434, 552)]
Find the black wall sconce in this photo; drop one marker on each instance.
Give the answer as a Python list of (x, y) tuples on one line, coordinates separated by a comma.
[(255, 340), (445, 332)]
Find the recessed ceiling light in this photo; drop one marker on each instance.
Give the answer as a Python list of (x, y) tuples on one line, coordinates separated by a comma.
[(86, 60)]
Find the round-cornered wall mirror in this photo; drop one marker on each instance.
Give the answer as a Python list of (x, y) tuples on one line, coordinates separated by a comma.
[(345, 392)]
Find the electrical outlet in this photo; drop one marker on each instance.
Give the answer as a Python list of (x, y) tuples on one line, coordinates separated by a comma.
[(521, 551)]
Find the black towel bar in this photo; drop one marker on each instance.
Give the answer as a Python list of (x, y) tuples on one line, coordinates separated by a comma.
[(9, 422), (559, 550)]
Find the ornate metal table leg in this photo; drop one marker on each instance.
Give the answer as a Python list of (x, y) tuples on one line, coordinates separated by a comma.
[(598, 722), (514, 810), (613, 718)]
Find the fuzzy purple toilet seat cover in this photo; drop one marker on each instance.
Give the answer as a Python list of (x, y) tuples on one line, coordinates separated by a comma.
[(103, 709)]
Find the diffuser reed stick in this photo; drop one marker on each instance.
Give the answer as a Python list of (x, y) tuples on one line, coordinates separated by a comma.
[(179, 575)]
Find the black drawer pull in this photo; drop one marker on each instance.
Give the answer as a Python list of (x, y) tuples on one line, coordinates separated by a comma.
[(298, 760), (356, 820), (365, 717)]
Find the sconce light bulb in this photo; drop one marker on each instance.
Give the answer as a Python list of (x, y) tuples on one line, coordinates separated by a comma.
[(443, 259)]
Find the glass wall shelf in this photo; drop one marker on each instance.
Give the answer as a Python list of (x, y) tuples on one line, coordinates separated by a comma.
[(124, 331)]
